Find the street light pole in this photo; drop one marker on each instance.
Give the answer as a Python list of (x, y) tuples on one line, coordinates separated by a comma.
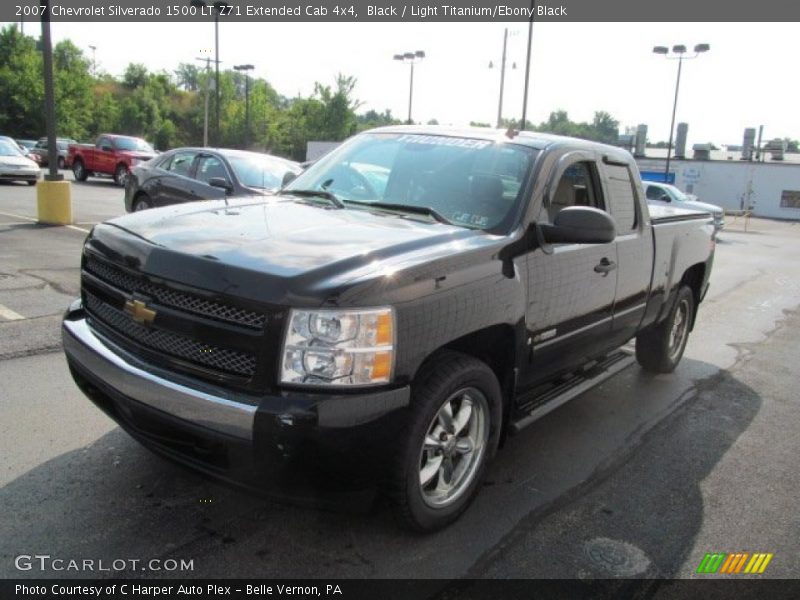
[(527, 69), (246, 68), (502, 79), (410, 58), (53, 198), (672, 122), (49, 97), (680, 50)]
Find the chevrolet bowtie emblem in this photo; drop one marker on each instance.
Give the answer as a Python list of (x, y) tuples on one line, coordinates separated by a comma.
[(139, 312)]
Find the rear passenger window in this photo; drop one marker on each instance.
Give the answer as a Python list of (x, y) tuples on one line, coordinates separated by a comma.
[(621, 197), (576, 187)]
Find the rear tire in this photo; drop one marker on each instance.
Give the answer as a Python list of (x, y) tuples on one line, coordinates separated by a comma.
[(60, 162), (79, 171), (452, 431), (121, 175), (31, 183), (659, 350)]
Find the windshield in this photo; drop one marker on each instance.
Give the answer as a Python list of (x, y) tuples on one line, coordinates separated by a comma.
[(260, 171), (470, 182), (133, 144), (677, 195), (9, 149)]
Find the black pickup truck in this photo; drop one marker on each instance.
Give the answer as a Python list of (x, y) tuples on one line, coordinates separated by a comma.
[(390, 316)]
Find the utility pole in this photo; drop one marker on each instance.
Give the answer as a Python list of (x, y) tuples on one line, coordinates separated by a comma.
[(94, 60), (207, 60), (246, 68)]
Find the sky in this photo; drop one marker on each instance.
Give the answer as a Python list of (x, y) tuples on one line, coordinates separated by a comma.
[(747, 79)]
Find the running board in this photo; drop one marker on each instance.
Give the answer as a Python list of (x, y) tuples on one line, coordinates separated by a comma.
[(578, 383)]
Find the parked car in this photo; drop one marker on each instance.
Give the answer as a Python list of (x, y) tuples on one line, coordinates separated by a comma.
[(113, 155), (27, 145), (14, 165), (39, 151), (385, 330), (187, 174), (666, 193)]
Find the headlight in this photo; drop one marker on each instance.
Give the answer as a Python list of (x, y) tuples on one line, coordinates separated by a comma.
[(339, 347)]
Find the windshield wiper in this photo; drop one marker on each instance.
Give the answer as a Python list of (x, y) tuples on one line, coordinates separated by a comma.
[(417, 210), (314, 194)]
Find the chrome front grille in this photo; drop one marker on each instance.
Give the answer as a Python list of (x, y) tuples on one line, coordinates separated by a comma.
[(186, 330), (225, 360), (176, 299)]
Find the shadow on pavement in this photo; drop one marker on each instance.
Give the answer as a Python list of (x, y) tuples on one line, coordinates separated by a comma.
[(639, 516), (114, 499)]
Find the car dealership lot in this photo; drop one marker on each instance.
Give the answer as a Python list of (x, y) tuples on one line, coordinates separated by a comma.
[(640, 476)]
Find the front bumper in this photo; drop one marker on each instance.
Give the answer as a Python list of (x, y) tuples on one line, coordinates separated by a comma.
[(19, 175), (288, 444)]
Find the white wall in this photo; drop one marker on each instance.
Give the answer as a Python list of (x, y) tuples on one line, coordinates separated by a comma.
[(315, 150), (726, 183)]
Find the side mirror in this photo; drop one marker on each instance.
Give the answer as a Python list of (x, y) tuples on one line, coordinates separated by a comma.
[(221, 182), (288, 177), (106, 148), (580, 225)]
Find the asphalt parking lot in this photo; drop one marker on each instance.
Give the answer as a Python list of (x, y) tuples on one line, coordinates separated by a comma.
[(639, 477)]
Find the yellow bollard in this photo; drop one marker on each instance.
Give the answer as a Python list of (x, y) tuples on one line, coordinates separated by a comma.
[(54, 202)]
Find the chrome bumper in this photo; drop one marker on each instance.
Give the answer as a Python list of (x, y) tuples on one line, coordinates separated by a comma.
[(207, 406)]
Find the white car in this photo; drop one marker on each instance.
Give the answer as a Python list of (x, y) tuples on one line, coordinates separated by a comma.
[(664, 192), (15, 166)]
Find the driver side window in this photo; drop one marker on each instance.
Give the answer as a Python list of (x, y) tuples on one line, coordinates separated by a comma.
[(576, 187), (656, 193)]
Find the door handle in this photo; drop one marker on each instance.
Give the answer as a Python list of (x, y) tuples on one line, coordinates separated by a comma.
[(605, 266)]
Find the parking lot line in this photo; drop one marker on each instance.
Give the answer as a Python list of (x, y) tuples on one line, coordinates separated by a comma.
[(9, 314), (31, 219)]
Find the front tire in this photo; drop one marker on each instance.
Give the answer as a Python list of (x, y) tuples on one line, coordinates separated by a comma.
[(452, 432), (659, 350), (60, 162), (141, 202)]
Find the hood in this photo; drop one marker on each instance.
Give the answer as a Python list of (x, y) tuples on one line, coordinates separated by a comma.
[(18, 161), (274, 250), (696, 205)]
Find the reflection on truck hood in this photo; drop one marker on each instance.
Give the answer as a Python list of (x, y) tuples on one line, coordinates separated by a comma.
[(275, 240)]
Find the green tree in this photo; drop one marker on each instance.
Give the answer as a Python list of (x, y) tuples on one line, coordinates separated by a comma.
[(21, 89), (188, 77), (136, 75), (372, 119), (605, 128), (73, 90)]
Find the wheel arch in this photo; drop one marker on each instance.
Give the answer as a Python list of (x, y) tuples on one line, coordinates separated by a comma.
[(496, 346), (694, 277)]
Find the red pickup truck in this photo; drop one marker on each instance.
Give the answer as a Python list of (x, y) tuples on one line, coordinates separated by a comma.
[(111, 155)]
